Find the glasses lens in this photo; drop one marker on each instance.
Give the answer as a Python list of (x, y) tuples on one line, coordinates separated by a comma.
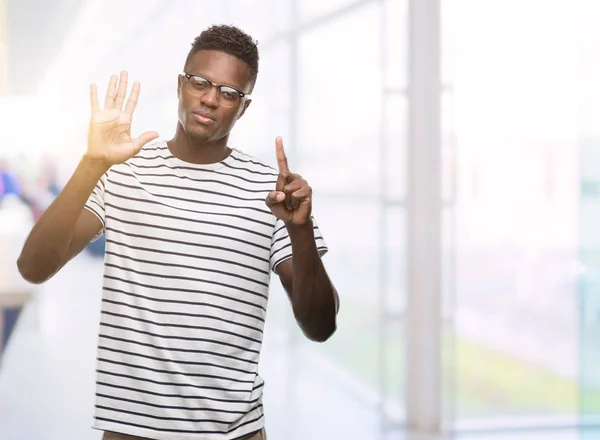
[(229, 96), (198, 86)]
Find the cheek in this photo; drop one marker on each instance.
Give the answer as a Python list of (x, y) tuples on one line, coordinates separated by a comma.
[(183, 110), (180, 106), (228, 118)]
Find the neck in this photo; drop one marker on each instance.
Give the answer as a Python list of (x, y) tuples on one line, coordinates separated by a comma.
[(197, 151)]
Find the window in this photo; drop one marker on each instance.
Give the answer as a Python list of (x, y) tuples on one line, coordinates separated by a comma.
[(516, 319), (352, 148)]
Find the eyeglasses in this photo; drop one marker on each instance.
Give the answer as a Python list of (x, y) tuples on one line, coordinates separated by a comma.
[(199, 86)]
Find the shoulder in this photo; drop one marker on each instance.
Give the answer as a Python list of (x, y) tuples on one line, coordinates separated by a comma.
[(158, 149), (151, 154), (240, 159)]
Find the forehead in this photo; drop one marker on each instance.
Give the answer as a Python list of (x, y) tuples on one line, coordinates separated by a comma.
[(220, 67)]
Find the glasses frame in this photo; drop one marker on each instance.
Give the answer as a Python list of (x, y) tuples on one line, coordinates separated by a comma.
[(243, 95)]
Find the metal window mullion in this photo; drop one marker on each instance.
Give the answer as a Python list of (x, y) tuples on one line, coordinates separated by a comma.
[(423, 356)]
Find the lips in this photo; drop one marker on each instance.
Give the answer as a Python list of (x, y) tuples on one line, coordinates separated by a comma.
[(203, 117)]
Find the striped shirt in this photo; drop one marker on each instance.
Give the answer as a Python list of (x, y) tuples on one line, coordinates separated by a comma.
[(189, 253)]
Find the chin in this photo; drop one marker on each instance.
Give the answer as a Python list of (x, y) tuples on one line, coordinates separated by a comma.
[(199, 135)]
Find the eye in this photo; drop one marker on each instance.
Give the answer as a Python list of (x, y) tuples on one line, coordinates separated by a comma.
[(230, 94), (199, 83)]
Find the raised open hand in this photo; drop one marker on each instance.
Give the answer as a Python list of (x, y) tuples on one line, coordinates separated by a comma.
[(109, 139), (291, 200)]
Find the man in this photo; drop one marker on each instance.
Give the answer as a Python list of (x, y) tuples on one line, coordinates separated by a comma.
[(193, 230)]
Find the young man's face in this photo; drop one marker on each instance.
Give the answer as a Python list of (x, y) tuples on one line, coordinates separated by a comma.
[(208, 118)]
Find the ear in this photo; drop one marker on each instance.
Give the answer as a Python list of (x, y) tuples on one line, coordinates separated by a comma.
[(179, 82), (246, 105)]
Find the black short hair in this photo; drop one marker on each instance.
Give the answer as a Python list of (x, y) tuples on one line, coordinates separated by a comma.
[(231, 40)]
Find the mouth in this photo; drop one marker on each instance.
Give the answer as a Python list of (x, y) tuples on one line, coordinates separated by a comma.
[(203, 117)]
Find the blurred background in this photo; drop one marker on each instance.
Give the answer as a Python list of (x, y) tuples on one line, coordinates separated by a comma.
[(454, 150)]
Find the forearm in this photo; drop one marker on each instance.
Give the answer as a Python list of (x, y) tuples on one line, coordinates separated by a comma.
[(48, 242), (313, 295)]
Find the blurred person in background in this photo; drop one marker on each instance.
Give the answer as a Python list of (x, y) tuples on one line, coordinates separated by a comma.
[(48, 175), (44, 187), (194, 229), (9, 180), (32, 192)]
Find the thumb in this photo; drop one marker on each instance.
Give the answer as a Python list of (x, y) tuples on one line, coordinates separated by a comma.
[(274, 198), (142, 140)]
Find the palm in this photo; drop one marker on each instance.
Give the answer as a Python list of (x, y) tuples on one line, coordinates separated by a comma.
[(110, 128)]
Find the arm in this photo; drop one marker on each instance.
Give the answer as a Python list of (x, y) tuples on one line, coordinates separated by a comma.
[(314, 298), (64, 229)]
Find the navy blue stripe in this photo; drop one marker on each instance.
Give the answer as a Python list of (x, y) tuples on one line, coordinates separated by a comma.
[(187, 243), (265, 211), (193, 211), (182, 338), (175, 277), (193, 431), (177, 373), (193, 268), (194, 303), (193, 291), (181, 254)]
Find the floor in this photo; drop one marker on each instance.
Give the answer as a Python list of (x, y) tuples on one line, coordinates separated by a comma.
[(47, 377)]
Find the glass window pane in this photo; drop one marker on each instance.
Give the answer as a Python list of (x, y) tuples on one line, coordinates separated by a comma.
[(340, 104), (516, 324), (589, 280), (588, 268), (393, 346), (393, 257), (310, 9), (395, 146), (263, 19), (368, 270), (448, 148), (449, 30), (268, 115), (392, 339), (395, 13), (448, 285), (353, 264)]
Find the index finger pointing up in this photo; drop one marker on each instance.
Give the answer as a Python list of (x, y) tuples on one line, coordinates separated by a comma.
[(281, 158)]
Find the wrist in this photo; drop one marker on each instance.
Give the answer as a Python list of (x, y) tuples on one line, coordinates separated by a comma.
[(304, 230), (96, 167)]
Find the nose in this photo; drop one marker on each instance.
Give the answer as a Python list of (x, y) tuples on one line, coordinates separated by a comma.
[(211, 98)]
